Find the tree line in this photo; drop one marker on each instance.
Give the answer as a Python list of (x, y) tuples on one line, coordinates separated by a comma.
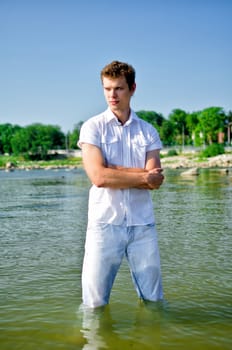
[(35, 140), (205, 127), (210, 125)]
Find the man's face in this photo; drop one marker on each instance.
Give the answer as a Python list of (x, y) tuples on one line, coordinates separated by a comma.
[(117, 93)]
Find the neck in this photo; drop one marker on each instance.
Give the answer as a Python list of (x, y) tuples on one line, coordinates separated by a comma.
[(122, 116)]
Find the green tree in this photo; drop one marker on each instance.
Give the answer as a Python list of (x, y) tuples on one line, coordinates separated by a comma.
[(74, 135), (20, 142), (212, 121), (178, 117), (192, 122), (35, 140), (154, 118), (6, 133), (168, 133)]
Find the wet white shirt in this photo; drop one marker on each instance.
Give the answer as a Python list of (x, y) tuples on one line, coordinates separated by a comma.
[(124, 145)]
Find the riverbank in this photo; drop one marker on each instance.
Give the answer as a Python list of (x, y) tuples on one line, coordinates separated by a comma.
[(192, 161), (184, 161), (12, 163)]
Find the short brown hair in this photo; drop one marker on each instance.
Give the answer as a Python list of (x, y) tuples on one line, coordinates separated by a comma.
[(117, 69)]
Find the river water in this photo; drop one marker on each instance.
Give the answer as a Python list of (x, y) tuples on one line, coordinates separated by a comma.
[(42, 232)]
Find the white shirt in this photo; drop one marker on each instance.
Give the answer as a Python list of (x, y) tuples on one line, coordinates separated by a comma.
[(124, 145)]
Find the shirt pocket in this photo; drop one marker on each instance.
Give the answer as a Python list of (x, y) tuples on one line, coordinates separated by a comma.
[(111, 149), (139, 149)]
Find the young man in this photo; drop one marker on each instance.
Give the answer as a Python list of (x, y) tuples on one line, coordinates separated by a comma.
[(121, 158)]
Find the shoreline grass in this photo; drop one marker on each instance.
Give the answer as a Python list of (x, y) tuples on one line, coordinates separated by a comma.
[(18, 162)]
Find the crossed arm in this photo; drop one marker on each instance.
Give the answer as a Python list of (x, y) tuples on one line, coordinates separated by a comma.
[(118, 177)]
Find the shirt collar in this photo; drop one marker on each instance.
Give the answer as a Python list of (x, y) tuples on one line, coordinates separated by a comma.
[(111, 116)]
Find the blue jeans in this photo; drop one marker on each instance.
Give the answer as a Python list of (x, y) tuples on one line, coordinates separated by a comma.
[(105, 247)]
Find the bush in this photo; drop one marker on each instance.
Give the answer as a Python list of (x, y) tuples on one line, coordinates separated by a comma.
[(2, 163), (6, 159), (172, 152), (213, 150)]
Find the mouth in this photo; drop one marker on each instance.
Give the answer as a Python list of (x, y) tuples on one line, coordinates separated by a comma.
[(114, 103)]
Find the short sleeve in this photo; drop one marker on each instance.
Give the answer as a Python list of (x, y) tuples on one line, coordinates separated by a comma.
[(89, 133), (154, 139)]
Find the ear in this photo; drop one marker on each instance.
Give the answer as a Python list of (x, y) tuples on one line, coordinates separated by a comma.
[(133, 88)]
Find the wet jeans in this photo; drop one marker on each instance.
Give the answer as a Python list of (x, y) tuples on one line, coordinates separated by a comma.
[(105, 247)]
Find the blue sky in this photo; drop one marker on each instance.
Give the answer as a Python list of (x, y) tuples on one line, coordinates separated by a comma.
[(52, 51)]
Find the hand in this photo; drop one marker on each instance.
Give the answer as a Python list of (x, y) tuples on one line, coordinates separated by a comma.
[(155, 178), (156, 171)]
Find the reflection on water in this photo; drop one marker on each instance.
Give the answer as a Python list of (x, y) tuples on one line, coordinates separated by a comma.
[(42, 232), (114, 328)]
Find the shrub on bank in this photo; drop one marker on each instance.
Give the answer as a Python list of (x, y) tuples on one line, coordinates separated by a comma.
[(7, 159), (172, 153), (212, 150)]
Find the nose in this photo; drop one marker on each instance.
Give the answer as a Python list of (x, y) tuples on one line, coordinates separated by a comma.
[(113, 93)]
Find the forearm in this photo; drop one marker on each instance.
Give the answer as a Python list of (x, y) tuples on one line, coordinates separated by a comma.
[(117, 177), (122, 179), (124, 169), (128, 178), (155, 170)]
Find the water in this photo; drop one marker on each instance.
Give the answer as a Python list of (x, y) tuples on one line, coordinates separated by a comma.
[(42, 231)]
